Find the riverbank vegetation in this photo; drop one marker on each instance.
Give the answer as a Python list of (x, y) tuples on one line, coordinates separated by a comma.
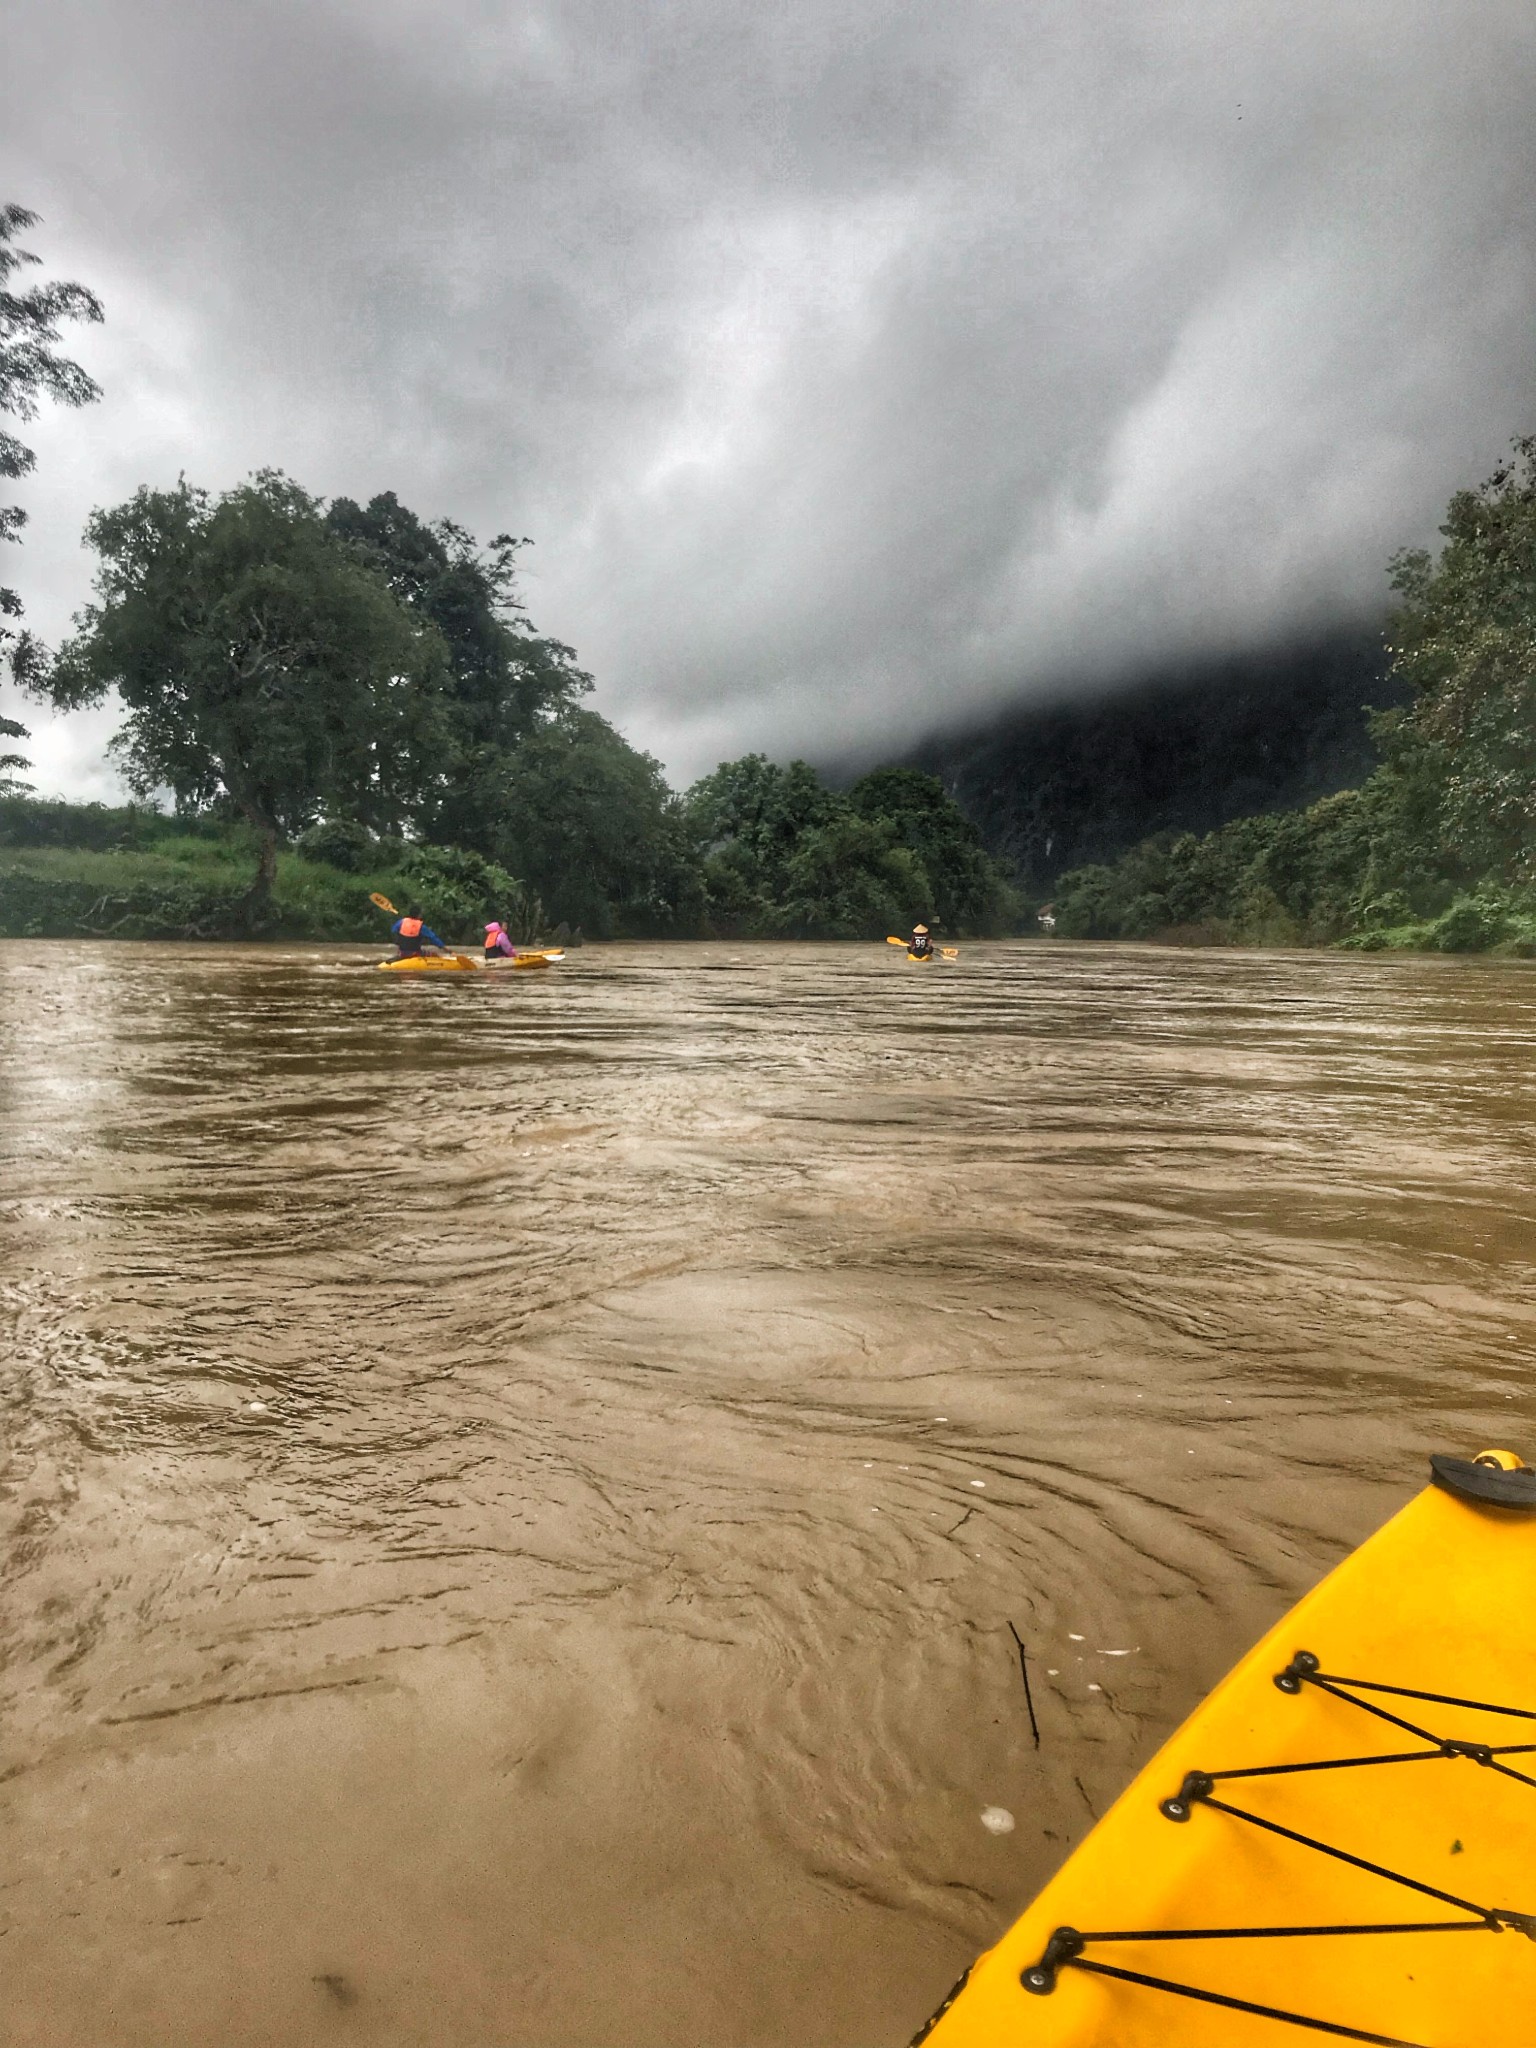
[(1437, 848), (837, 865), (333, 699), (343, 699)]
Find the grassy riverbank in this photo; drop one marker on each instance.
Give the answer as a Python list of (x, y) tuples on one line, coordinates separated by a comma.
[(132, 872), (757, 851), (182, 888)]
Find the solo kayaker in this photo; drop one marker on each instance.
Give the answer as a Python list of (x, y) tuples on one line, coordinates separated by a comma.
[(497, 945), (413, 937), (920, 945)]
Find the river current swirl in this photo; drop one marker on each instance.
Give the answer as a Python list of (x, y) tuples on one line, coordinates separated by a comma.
[(514, 1490)]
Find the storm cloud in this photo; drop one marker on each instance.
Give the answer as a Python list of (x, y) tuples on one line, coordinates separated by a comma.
[(858, 370)]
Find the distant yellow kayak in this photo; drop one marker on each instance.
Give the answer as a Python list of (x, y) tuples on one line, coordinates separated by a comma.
[(1341, 1841), (466, 963)]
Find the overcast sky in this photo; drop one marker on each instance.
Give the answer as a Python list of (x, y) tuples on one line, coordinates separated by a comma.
[(857, 368)]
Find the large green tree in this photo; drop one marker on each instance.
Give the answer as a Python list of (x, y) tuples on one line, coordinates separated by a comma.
[(534, 781), (503, 679), (969, 890), (260, 660), (783, 853), (760, 804), (589, 823), (851, 878)]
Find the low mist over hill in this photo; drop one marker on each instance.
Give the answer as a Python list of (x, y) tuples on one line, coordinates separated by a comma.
[(1057, 785)]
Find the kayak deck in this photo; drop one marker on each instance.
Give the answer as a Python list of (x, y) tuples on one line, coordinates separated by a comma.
[(1137, 1941)]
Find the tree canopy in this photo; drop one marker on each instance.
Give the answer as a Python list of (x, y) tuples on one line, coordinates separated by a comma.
[(502, 676), (533, 781), (784, 854), (589, 822), (260, 661), (968, 890)]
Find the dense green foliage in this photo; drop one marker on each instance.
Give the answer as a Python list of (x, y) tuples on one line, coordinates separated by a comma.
[(752, 851), (260, 662), (590, 824), (102, 828), (31, 369), (503, 678), (176, 885), (531, 779), (1438, 847), (786, 856)]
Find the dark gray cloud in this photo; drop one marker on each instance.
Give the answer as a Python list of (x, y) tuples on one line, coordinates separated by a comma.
[(855, 367)]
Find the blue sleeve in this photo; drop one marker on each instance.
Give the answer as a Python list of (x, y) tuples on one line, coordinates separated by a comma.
[(431, 936)]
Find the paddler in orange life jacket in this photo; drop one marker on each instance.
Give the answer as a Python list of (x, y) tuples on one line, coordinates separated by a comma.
[(497, 945), (920, 946), (413, 937)]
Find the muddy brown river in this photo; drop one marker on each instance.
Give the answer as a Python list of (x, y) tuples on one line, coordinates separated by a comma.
[(514, 1492)]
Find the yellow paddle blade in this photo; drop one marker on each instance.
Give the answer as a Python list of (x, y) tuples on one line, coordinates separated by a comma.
[(894, 942), (383, 902), (950, 952)]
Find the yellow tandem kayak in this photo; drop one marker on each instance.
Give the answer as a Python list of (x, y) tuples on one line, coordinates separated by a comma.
[(465, 963), (1340, 1841)]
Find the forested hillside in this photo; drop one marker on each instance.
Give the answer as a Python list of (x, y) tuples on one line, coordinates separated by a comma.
[(1437, 847), (1057, 785)]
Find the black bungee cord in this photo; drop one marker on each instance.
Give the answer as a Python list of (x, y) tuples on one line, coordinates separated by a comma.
[(1065, 1949)]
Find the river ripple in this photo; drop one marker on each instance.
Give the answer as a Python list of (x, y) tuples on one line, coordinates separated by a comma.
[(514, 1493)]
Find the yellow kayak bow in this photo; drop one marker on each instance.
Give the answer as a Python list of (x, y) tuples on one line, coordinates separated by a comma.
[(1341, 1840)]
